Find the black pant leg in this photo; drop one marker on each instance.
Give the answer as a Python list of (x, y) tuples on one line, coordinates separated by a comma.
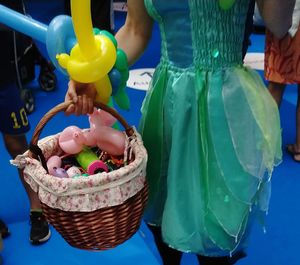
[(248, 27), (100, 11), (203, 260), (169, 255)]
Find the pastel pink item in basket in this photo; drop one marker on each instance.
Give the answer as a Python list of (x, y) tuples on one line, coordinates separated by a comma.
[(60, 173), (53, 163), (97, 166), (71, 140), (110, 140), (90, 140), (106, 138), (73, 171), (54, 167), (101, 118)]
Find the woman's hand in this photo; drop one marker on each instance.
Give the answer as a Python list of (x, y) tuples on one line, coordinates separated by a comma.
[(83, 96)]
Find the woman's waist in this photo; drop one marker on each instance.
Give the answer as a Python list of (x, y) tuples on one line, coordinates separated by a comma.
[(204, 64), (210, 56)]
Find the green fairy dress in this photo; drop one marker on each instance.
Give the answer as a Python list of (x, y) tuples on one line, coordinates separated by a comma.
[(211, 129)]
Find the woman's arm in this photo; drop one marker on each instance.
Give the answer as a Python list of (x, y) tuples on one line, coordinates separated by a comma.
[(134, 35), (277, 15)]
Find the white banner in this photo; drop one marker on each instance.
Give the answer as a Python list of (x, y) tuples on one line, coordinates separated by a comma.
[(120, 6), (255, 60), (140, 78)]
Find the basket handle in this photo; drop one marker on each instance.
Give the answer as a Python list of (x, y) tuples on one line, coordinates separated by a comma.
[(34, 150)]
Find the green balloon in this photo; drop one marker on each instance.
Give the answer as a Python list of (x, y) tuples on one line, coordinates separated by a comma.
[(226, 4), (121, 62), (122, 99), (110, 36), (124, 77), (96, 31)]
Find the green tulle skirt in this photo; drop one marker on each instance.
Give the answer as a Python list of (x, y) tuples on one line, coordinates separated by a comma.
[(213, 138)]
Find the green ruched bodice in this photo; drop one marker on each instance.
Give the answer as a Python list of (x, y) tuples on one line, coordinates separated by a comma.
[(199, 33)]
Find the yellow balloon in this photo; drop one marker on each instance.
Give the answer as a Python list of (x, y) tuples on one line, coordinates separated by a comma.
[(83, 27), (89, 71), (104, 90), (92, 58)]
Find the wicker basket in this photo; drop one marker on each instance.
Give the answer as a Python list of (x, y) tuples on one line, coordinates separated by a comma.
[(98, 228)]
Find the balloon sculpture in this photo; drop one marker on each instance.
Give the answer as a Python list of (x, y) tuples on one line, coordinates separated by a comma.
[(74, 141), (86, 55)]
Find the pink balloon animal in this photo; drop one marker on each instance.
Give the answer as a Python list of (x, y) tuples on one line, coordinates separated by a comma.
[(72, 139), (105, 137)]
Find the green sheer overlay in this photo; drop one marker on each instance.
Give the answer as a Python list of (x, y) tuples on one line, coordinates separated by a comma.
[(211, 130)]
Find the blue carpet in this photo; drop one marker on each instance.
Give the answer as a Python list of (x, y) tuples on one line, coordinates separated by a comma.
[(56, 251), (278, 246)]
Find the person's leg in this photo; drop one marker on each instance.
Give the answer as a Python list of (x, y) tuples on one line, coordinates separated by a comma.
[(15, 145), (213, 260), (168, 255), (248, 27), (39, 232), (1, 247), (101, 13), (221, 260), (4, 231), (67, 7), (13, 125), (277, 91), (296, 146)]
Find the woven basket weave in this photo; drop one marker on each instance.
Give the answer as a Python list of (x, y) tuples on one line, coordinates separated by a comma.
[(98, 229)]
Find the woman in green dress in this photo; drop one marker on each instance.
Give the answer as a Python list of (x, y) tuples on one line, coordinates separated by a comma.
[(210, 127)]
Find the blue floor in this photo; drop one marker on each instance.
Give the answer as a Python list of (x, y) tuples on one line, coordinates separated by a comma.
[(277, 246)]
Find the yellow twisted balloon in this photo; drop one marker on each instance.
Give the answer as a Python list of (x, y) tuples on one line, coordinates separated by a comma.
[(92, 58)]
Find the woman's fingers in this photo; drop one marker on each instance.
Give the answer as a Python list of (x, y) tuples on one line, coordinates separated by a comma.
[(90, 106), (84, 104), (71, 93), (82, 95), (70, 110)]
